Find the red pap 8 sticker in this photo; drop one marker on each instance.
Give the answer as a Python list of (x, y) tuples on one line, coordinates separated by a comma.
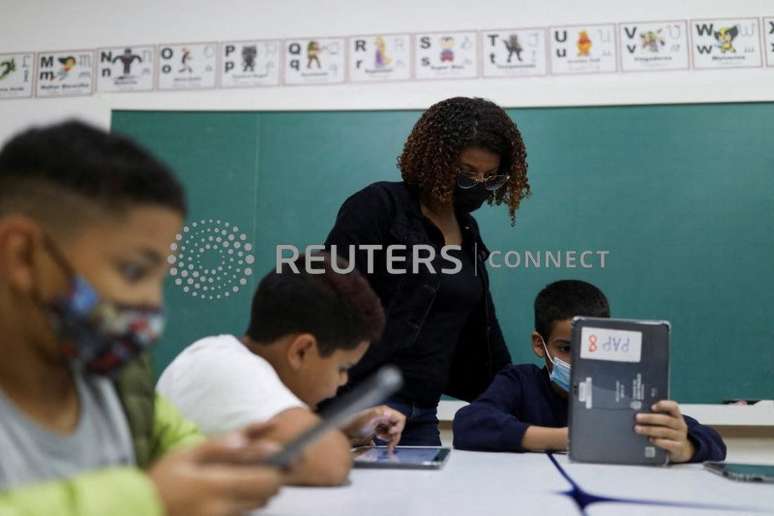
[(612, 345)]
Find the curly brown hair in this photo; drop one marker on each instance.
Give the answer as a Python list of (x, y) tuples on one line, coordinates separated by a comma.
[(432, 150)]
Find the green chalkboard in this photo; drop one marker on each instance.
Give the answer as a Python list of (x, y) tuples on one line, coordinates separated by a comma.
[(682, 198)]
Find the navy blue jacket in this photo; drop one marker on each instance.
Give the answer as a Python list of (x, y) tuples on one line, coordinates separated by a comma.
[(522, 395)]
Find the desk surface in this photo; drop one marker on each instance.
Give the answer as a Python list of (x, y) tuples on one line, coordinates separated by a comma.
[(681, 484), (497, 484), (470, 483)]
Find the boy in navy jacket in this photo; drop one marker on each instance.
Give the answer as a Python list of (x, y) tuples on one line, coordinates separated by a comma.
[(525, 407)]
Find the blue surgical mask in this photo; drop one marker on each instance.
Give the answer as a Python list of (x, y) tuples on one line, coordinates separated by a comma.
[(560, 373)]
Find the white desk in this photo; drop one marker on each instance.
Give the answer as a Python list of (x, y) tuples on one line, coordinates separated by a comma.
[(470, 484), (686, 483), (613, 509), (494, 484)]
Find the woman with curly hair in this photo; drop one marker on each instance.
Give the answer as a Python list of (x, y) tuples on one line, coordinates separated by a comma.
[(426, 257)]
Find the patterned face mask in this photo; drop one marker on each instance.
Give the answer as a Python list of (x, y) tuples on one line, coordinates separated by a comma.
[(96, 334)]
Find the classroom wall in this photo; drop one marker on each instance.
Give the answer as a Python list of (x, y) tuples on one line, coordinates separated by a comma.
[(56, 25), (676, 249)]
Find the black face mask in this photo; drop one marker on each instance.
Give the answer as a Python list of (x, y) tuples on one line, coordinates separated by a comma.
[(470, 199)]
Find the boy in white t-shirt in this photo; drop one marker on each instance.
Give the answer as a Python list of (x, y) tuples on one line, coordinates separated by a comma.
[(306, 330)]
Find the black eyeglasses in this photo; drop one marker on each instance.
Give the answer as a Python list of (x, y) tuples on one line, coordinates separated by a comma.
[(491, 183)]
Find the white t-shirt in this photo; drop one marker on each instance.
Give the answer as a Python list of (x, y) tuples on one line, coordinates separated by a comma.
[(220, 385)]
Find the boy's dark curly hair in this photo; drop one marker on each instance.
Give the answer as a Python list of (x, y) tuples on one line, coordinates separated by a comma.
[(78, 158), (431, 153), (563, 300), (340, 309)]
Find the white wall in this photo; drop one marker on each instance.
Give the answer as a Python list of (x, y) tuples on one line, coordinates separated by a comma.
[(53, 25)]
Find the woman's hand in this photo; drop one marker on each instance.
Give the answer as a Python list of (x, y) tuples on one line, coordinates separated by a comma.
[(380, 422)]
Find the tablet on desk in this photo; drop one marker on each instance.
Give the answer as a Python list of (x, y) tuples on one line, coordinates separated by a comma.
[(403, 457), (743, 472)]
